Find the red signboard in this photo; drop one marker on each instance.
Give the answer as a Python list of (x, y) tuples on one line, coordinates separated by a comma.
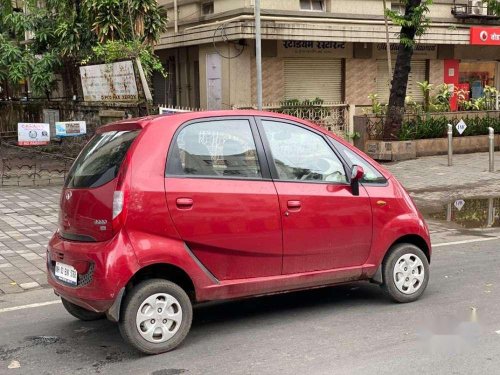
[(485, 36)]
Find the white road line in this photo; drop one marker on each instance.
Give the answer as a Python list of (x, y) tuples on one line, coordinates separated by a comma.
[(465, 241), (14, 308)]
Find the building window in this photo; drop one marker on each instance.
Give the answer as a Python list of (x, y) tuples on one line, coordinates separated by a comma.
[(312, 5), (207, 8), (398, 8)]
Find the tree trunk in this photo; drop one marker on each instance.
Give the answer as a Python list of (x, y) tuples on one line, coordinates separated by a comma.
[(399, 83)]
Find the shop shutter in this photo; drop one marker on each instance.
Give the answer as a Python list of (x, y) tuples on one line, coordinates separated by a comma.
[(310, 79), (417, 74)]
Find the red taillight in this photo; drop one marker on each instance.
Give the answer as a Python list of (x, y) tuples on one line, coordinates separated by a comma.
[(120, 195)]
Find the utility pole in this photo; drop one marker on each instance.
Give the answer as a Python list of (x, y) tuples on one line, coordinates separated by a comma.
[(388, 43), (258, 54)]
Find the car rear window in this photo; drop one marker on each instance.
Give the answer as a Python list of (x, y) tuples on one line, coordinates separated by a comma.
[(100, 160)]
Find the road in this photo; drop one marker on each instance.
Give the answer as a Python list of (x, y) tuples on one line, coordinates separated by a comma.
[(350, 329)]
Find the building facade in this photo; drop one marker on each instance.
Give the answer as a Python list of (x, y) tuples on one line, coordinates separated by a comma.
[(334, 50)]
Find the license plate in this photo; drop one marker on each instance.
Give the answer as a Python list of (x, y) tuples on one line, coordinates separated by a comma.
[(66, 273)]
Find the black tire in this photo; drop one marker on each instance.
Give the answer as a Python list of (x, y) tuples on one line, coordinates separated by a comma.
[(388, 265), (132, 303), (81, 313)]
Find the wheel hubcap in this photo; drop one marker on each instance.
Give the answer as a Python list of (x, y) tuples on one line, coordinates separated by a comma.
[(409, 273), (159, 317)]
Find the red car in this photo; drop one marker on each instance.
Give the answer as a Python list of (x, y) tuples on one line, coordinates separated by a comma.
[(160, 213)]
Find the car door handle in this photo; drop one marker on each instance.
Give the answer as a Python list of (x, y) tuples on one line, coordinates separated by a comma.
[(184, 203), (294, 205)]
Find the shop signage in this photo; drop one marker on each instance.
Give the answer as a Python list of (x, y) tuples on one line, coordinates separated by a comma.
[(109, 82), (307, 48), (70, 128), (485, 36), (33, 134), (421, 51)]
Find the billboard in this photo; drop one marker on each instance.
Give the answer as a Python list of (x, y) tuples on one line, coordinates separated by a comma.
[(33, 134), (109, 82), (70, 128), (485, 36)]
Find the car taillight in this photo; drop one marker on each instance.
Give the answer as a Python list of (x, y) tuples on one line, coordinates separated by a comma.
[(120, 196), (117, 203)]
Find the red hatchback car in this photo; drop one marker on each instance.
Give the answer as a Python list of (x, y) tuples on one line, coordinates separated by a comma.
[(163, 212)]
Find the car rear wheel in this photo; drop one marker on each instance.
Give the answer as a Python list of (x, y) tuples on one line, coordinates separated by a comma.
[(156, 316), (81, 313), (405, 273)]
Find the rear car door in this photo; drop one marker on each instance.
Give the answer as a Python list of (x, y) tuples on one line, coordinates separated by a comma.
[(222, 200), (324, 225)]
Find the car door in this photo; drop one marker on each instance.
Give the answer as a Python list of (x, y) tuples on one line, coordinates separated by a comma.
[(324, 225), (222, 200)]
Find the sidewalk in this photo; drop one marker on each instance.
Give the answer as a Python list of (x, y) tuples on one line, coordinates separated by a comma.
[(28, 216), (430, 179)]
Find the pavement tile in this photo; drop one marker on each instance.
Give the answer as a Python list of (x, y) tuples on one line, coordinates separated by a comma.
[(29, 285)]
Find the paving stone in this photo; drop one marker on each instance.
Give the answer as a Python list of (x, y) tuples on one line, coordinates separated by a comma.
[(29, 285)]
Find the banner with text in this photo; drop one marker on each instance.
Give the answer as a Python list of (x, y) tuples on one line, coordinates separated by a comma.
[(70, 128), (109, 82), (33, 134)]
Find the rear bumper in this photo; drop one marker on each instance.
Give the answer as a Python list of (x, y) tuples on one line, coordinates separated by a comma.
[(107, 267)]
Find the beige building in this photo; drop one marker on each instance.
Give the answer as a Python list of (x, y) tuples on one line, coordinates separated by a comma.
[(331, 49)]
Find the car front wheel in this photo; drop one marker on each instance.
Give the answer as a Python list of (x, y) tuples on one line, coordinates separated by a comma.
[(405, 273), (156, 316)]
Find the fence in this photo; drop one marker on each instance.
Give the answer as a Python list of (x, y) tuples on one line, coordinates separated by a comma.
[(334, 117)]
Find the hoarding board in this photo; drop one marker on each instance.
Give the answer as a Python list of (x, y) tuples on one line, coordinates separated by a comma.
[(33, 134), (70, 128), (109, 82)]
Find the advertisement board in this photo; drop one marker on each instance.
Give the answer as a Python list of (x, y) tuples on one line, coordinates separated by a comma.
[(70, 128), (33, 134), (109, 82), (485, 36)]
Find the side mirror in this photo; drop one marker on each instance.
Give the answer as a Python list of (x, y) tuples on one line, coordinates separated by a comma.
[(357, 174)]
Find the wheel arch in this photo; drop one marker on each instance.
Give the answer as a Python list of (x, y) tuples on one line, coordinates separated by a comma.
[(413, 239), (164, 271)]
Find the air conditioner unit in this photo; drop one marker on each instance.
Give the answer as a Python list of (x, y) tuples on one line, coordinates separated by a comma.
[(477, 8)]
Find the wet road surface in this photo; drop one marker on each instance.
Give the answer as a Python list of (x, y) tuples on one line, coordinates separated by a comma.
[(350, 329)]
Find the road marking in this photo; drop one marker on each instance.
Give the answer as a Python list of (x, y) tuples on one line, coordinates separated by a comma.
[(14, 308), (465, 241)]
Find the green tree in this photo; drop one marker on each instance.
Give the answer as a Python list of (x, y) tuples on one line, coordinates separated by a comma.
[(413, 24), (66, 33), (493, 5)]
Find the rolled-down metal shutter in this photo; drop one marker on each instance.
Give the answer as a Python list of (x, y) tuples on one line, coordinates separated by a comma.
[(417, 74), (310, 79)]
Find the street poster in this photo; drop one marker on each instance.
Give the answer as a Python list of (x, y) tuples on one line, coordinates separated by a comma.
[(33, 134)]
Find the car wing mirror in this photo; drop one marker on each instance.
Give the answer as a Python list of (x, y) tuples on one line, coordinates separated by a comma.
[(357, 174)]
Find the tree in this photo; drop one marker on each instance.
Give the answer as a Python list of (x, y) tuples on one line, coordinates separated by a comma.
[(413, 24), (67, 33), (493, 6)]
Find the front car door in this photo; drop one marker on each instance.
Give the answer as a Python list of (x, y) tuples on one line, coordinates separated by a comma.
[(324, 225), (222, 200)]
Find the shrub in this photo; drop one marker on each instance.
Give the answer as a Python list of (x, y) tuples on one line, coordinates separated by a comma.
[(424, 127)]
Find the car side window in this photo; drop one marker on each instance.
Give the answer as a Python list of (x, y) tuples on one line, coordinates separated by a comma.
[(372, 176), (302, 155), (215, 148)]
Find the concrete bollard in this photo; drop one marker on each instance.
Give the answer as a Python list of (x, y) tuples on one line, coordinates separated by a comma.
[(450, 145), (491, 140)]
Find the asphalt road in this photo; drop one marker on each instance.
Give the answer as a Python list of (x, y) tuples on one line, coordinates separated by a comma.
[(350, 329)]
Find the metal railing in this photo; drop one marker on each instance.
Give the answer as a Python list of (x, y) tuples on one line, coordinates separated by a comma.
[(334, 117)]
